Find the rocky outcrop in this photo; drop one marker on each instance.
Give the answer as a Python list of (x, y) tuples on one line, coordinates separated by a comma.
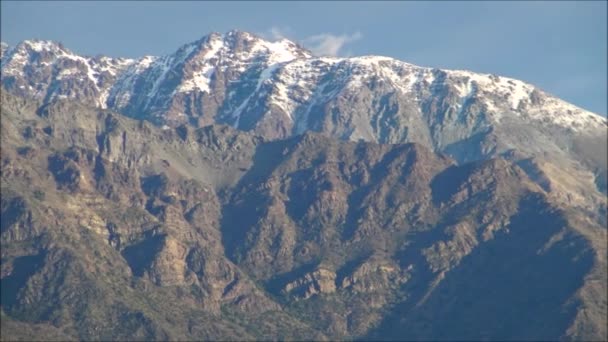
[(376, 276), (319, 281)]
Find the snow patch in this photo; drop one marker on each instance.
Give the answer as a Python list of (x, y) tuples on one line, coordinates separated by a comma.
[(41, 45), (201, 79)]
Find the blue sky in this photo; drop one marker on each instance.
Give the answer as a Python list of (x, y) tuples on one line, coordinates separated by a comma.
[(558, 46)]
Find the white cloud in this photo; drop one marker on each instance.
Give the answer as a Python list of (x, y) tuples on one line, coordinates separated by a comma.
[(327, 44), (276, 33), (324, 44)]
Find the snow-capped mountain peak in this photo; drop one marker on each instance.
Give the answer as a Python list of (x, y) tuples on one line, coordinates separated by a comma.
[(278, 88)]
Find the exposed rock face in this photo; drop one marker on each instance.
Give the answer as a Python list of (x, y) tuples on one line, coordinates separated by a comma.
[(376, 276), (117, 229), (318, 281)]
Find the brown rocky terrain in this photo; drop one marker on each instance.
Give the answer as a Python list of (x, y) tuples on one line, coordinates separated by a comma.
[(114, 228)]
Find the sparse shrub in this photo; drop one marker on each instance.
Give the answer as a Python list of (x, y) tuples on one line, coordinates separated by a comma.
[(39, 195)]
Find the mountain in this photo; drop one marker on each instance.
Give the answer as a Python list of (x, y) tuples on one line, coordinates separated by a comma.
[(279, 89), (242, 189), (284, 90), (108, 223)]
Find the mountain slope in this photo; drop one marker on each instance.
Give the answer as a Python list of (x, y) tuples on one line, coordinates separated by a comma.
[(212, 233)]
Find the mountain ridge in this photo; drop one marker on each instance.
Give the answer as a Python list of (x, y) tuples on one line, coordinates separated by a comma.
[(281, 51), (279, 89)]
